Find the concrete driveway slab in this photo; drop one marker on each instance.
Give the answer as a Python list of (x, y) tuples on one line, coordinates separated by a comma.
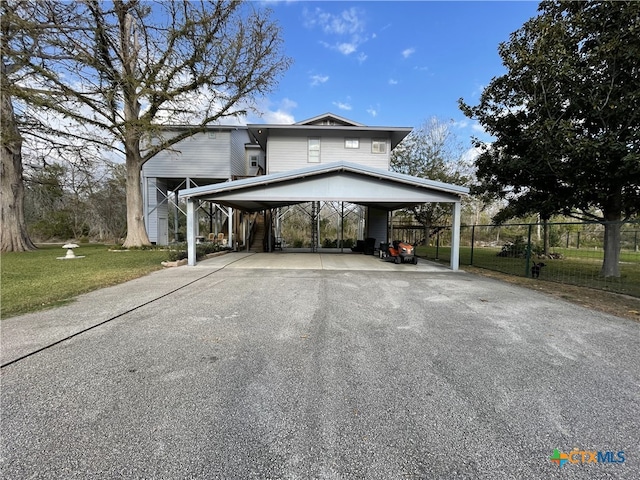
[(330, 261), (328, 373)]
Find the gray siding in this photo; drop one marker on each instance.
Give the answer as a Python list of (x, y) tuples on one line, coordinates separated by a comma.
[(198, 156), (157, 210), (286, 153), (238, 158)]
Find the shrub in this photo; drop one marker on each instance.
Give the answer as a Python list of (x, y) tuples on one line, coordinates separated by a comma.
[(175, 255), (179, 251), (517, 248), (330, 243)]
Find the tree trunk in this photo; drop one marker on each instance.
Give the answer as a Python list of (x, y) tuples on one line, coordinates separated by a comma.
[(129, 48), (136, 230), (611, 263), (13, 229)]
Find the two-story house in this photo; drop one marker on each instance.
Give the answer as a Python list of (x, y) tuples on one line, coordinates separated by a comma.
[(268, 166), (225, 153)]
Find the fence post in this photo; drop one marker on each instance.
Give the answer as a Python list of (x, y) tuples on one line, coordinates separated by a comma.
[(527, 268), (473, 238), (437, 244), (578, 242)]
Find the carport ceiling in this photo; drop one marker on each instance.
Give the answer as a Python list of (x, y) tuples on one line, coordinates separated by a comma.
[(339, 182)]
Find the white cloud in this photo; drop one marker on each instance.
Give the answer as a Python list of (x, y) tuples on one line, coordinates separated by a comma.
[(281, 114), (346, 48), (279, 117), (476, 127), (372, 111), (393, 81), (470, 155), (318, 79), (407, 52), (342, 105), (361, 58), (348, 28), (347, 22)]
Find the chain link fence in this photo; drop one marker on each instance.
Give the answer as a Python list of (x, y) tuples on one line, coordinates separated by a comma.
[(574, 255)]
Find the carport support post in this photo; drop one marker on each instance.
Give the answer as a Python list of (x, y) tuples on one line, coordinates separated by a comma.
[(230, 227), (191, 230), (455, 237)]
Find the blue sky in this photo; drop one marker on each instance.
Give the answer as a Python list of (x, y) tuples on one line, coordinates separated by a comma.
[(390, 63)]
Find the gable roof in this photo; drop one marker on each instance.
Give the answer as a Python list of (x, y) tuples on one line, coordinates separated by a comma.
[(329, 119), (340, 181)]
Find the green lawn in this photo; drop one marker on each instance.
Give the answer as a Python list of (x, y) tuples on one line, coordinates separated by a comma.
[(37, 280), (577, 267)]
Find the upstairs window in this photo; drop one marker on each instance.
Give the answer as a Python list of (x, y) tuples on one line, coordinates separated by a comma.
[(351, 143), (314, 150), (378, 146)]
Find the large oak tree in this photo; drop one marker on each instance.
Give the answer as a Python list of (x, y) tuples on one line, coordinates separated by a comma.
[(123, 69), (566, 118)]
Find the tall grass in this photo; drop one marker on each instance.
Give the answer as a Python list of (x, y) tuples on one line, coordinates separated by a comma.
[(36, 280)]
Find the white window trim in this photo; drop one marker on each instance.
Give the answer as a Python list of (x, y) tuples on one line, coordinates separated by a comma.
[(313, 158), (378, 141), (355, 140)]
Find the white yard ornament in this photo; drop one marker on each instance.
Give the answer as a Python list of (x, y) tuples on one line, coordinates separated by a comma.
[(70, 255)]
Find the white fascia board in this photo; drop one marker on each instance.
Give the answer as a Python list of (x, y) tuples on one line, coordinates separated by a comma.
[(322, 169)]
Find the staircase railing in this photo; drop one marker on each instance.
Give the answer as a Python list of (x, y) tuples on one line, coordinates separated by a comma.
[(252, 228)]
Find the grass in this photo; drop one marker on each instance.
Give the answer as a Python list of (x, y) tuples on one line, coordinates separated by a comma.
[(577, 267), (36, 280)]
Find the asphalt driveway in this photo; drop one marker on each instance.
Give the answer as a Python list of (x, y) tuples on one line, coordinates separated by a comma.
[(233, 369)]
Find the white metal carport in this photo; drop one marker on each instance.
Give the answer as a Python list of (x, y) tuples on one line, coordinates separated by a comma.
[(338, 182)]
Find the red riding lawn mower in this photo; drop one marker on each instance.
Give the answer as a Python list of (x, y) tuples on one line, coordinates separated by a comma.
[(401, 252)]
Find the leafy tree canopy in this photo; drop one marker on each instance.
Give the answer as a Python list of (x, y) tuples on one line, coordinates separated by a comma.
[(566, 115)]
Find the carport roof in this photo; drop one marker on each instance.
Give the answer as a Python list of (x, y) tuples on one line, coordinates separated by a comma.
[(340, 181)]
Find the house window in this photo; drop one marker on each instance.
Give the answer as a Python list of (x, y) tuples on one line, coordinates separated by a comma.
[(254, 160), (351, 143), (379, 146), (211, 134), (314, 150)]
